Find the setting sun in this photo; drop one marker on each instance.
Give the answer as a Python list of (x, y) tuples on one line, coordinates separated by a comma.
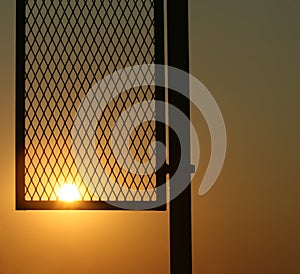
[(69, 193)]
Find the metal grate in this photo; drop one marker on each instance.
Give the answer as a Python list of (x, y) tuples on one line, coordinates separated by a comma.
[(69, 46)]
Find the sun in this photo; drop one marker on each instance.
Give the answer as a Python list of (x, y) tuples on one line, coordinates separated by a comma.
[(68, 193)]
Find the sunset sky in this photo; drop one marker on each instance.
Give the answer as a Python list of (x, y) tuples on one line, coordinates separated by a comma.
[(247, 54)]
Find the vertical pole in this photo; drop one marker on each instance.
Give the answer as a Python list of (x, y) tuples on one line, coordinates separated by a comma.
[(180, 208)]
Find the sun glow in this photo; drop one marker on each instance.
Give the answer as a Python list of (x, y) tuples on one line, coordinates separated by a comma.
[(69, 193)]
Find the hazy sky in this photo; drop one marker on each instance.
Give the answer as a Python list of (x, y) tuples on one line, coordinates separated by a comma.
[(247, 54)]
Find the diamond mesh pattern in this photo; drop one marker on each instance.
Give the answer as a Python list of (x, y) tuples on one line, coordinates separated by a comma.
[(69, 47)]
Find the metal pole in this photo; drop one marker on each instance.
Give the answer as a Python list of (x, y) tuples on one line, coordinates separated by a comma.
[(180, 208)]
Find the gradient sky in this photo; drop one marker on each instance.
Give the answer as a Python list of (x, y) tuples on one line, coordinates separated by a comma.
[(247, 55)]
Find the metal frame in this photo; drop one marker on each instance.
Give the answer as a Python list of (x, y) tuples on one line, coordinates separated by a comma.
[(20, 104), (178, 56), (21, 203)]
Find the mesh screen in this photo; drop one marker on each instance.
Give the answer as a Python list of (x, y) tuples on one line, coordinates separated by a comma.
[(69, 47)]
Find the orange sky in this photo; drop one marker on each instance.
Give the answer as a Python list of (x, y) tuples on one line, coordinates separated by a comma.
[(247, 54)]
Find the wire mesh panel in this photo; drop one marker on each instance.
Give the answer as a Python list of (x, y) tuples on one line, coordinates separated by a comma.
[(64, 48)]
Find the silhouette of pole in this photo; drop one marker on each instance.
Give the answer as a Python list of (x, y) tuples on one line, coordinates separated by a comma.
[(180, 208)]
